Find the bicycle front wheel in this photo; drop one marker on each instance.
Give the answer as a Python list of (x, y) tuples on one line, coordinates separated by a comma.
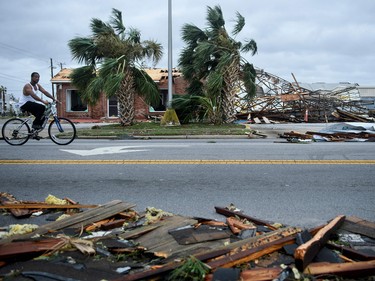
[(16, 131), (62, 131)]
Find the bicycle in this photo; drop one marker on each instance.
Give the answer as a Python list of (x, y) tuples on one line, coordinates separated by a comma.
[(62, 131)]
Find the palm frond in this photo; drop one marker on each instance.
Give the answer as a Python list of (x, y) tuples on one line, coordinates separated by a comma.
[(112, 66), (225, 60), (99, 28), (152, 50), (94, 90), (215, 18), (112, 83), (249, 76), (192, 34), (195, 87), (186, 57), (145, 86), (82, 76), (204, 53), (215, 82), (134, 36), (117, 23), (240, 23), (84, 50), (187, 108), (250, 46)]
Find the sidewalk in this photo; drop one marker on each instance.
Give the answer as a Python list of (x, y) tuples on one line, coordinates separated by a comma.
[(272, 131)]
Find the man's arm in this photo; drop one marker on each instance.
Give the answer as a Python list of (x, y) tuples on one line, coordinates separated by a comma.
[(46, 93)]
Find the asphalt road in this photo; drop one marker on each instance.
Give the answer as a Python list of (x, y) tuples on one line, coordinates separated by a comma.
[(294, 184)]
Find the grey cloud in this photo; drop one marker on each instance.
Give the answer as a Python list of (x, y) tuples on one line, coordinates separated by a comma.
[(317, 40)]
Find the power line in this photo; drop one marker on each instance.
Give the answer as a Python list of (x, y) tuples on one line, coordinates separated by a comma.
[(6, 76), (19, 50)]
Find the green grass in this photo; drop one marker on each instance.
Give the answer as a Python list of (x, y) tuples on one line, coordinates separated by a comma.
[(155, 129)]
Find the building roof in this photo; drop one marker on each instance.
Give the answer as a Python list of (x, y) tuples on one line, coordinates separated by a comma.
[(62, 76), (157, 74)]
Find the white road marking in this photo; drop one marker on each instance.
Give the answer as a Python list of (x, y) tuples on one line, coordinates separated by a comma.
[(104, 150)]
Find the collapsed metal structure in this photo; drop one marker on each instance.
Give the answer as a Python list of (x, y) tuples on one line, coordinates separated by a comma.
[(281, 100)]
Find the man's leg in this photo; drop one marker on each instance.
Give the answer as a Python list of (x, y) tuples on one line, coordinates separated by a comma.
[(37, 110)]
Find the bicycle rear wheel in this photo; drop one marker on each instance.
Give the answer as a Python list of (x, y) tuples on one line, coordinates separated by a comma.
[(62, 131), (16, 131)]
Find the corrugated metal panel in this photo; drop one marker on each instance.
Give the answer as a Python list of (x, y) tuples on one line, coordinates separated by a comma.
[(367, 91)]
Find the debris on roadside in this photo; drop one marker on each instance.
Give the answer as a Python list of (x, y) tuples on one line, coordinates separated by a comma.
[(114, 242), (282, 100), (353, 132)]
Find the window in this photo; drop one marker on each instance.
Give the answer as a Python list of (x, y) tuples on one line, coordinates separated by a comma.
[(112, 107), (162, 106), (74, 101)]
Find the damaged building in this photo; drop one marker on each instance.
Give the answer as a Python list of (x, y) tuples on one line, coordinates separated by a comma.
[(281, 100)]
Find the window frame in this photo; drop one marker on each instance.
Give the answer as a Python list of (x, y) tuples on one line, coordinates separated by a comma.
[(68, 107)]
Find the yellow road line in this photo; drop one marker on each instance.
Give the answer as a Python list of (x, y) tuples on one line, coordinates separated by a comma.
[(187, 162)]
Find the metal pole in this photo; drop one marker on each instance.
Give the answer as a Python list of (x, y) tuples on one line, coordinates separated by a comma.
[(53, 89), (2, 100), (2, 93), (170, 68)]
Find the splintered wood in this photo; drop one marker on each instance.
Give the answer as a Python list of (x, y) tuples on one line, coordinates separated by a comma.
[(305, 253), (253, 248)]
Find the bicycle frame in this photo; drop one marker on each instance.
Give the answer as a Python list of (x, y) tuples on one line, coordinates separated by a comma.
[(54, 113)]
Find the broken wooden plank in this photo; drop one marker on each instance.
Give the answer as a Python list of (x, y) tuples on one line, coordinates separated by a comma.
[(26, 249), (353, 269), (148, 273), (256, 274), (137, 232), (350, 253), (257, 121), (228, 213), (359, 226), (160, 242), (306, 252), (237, 226), (98, 224), (6, 198), (77, 220), (244, 256), (202, 233), (113, 224)]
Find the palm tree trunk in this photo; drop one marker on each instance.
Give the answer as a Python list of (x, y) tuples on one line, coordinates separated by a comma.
[(231, 79), (126, 99)]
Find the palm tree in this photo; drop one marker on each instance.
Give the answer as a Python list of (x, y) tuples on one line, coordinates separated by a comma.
[(212, 64), (112, 55)]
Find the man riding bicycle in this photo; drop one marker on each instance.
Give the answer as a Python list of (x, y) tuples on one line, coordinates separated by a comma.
[(31, 102)]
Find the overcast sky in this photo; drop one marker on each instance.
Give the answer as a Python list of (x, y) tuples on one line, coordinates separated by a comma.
[(316, 40)]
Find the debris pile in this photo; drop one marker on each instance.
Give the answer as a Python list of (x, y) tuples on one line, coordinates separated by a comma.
[(114, 242), (281, 100), (358, 132)]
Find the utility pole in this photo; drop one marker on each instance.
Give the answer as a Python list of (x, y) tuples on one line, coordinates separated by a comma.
[(53, 89), (170, 117), (3, 91), (170, 67)]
